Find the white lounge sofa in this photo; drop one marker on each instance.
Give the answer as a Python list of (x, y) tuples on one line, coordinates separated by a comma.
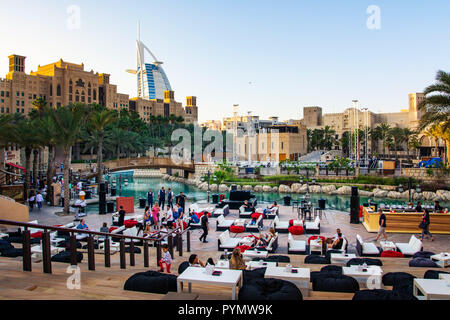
[(366, 248), (226, 242), (344, 246), (409, 249), (255, 227), (313, 227), (221, 211), (131, 232), (244, 214), (272, 213), (296, 246), (223, 224), (280, 226)]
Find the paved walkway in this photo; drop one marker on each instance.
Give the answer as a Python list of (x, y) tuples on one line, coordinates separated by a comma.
[(332, 219)]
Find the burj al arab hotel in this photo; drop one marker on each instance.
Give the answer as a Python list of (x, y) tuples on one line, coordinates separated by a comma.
[(152, 81)]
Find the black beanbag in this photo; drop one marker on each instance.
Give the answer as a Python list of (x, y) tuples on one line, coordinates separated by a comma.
[(422, 262), (183, 266), (5, 245), (19, 239), (433, 274), (315, 259), (136, 249), (250, 275), (379, 294), (12, 253), (64, 257), (279, 259), (361, 261), (327, 274), (391, 278), (405, 289), (332, 269), (335, 284), (269, 289), (423, 254), (152, 282), (86, 246)]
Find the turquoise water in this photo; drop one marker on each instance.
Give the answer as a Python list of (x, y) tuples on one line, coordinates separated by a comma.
[(138, 188)]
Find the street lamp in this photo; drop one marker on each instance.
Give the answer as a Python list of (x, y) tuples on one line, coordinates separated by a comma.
[(409, 187), (209, 176), (400, 188), (418, 189)]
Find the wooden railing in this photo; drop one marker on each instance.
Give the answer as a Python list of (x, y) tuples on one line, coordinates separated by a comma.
[(156, 238)]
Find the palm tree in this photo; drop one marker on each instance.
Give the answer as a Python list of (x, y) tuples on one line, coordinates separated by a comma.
[(25, 134), (69, 121), (397, 136), (98, 121), (414, 143), (382, 131), (40, 104), (407, 135), (328, 137), (436, 105), (431, 132)]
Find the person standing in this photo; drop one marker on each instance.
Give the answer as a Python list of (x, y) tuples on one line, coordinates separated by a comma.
[(121, 216), (425, 225), (155, 216), (31, 201), (162, 197), (39, 200), (150, 198), (170, 198), (382, 224), (182, 201), (205, 227)]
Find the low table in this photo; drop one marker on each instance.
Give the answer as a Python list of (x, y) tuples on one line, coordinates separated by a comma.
[(300, 279), (341, 258), (316, 245), (370, 278), (239, 222), (113, 246), (56, 241), (432, 289), (231, 278), (251, 265), (444, 276), (250, 254), (388, 245), (442, 260)]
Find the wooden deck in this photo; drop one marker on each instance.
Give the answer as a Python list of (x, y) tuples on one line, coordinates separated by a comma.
[(107, 283)]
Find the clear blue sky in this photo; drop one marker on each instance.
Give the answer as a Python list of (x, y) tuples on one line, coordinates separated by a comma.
[(271, 57)]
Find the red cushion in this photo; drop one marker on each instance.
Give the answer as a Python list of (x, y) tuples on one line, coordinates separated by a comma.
[(198, 214), (256, 215), (36, 234), (243, 248), (296, 230), (130, 223), (315, 237), (392, 254), (237, 229), (184, 225), (291, 222), (111, 229)]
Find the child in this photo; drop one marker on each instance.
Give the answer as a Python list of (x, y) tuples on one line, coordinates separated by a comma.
[(167, 259)]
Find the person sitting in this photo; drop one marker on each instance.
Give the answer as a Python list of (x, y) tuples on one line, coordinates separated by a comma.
[(248, 207), (272, 208), (104, 228), (337, 244), (82, 225), (437, 207), (419, 207), (237, 261), (264, 239), (194, 261), (167, 259), (334, 238), (253, 221)]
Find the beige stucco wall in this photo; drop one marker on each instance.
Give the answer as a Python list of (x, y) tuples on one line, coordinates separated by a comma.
[(11, 210)]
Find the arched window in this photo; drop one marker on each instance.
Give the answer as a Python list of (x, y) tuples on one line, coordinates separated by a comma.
[(58, 90), (94, 96), (77, 96), (51, 89), (70, 82)]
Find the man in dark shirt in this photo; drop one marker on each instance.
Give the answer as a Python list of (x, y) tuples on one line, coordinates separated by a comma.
[(121, 216), (419, 207), (382, 224), (170, 198), (437, 207), (162, 197), (205, 227), (150, 197), (182, 201)]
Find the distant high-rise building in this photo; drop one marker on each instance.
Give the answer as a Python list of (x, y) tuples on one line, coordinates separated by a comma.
[(152, 81)]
